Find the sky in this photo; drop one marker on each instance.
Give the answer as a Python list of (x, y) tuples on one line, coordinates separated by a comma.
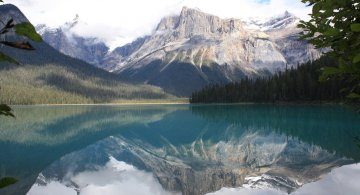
[(118, 22)]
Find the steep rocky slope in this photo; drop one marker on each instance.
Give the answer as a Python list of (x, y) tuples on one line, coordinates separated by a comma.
[(90, 50), (193, 49), (189, 51)]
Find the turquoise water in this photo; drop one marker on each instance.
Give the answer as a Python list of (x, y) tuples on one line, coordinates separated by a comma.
[(179, 149)]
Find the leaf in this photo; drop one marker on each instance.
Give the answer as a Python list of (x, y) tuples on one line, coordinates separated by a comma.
[(353, 96), (4, 107), (10, 23), (355, 27), (28, 30), (6, 58), (356, 59), (6, 110), (300, 25), (331, 32), (316, 8), (6, 181), (328, 72), (18, 45)]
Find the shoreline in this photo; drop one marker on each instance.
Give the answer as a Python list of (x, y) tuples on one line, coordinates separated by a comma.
[(186, 103), (105, 104)]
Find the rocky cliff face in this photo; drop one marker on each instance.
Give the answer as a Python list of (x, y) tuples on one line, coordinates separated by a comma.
[(194, 49), (64, 40)]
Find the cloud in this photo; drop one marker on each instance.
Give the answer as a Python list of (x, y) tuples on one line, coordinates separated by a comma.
[(343, 180), (118, 22), (53, 188), (263, 1), (115, 178)]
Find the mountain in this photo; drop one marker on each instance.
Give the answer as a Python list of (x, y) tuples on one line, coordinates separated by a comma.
[(285, 20), (47, 76), (90, 50), (194, 49)]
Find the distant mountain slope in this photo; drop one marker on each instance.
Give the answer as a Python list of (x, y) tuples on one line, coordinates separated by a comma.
[(46, 76), (90, 50), (189, 51)]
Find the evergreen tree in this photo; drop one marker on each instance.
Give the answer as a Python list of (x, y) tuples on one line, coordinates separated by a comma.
[(301, 84)]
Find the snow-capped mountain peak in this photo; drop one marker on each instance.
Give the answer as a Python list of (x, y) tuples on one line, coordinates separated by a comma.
[(193, 49), (280, 21), (72, 24), (65, 39)]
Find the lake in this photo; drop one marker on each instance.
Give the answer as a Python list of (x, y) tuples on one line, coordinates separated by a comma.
[(181, 149)]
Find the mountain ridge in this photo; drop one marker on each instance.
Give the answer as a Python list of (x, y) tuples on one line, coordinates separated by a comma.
[(46, 76), (188, 51), (89, 49), (195, 49)]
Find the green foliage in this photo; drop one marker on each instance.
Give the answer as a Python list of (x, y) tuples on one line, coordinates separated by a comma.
[(335, 24), (28, 30), (23, 29), (7, 181), (6, 58), (299, 84), (6, 110), (353, 96), (355, 27)]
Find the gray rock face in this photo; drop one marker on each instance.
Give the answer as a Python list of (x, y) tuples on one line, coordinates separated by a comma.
[(194, 49), (62, 39), (281, 21)]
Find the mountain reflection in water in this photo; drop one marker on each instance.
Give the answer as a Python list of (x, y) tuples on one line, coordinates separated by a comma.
[(180, 149)]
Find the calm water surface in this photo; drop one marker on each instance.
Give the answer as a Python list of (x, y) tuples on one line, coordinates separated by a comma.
[(181, 149)]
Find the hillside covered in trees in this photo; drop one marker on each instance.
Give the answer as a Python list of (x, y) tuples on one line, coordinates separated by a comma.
[(300, 84), (47, 77)]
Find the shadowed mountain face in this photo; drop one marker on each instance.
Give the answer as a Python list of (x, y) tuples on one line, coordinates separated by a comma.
[(175, 149), (47, 76)]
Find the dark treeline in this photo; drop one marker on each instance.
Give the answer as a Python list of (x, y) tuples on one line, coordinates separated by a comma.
[(300, 84)]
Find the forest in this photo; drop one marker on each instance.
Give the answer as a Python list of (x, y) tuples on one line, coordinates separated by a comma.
[(44, 76), (300, 84)]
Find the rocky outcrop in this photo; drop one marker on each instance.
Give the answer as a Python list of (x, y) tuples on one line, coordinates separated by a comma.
[(195, 49)]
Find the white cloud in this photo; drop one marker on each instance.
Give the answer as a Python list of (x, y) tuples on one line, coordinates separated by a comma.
[(343, 180), (115, 178), (118, 22), (53, 188)]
